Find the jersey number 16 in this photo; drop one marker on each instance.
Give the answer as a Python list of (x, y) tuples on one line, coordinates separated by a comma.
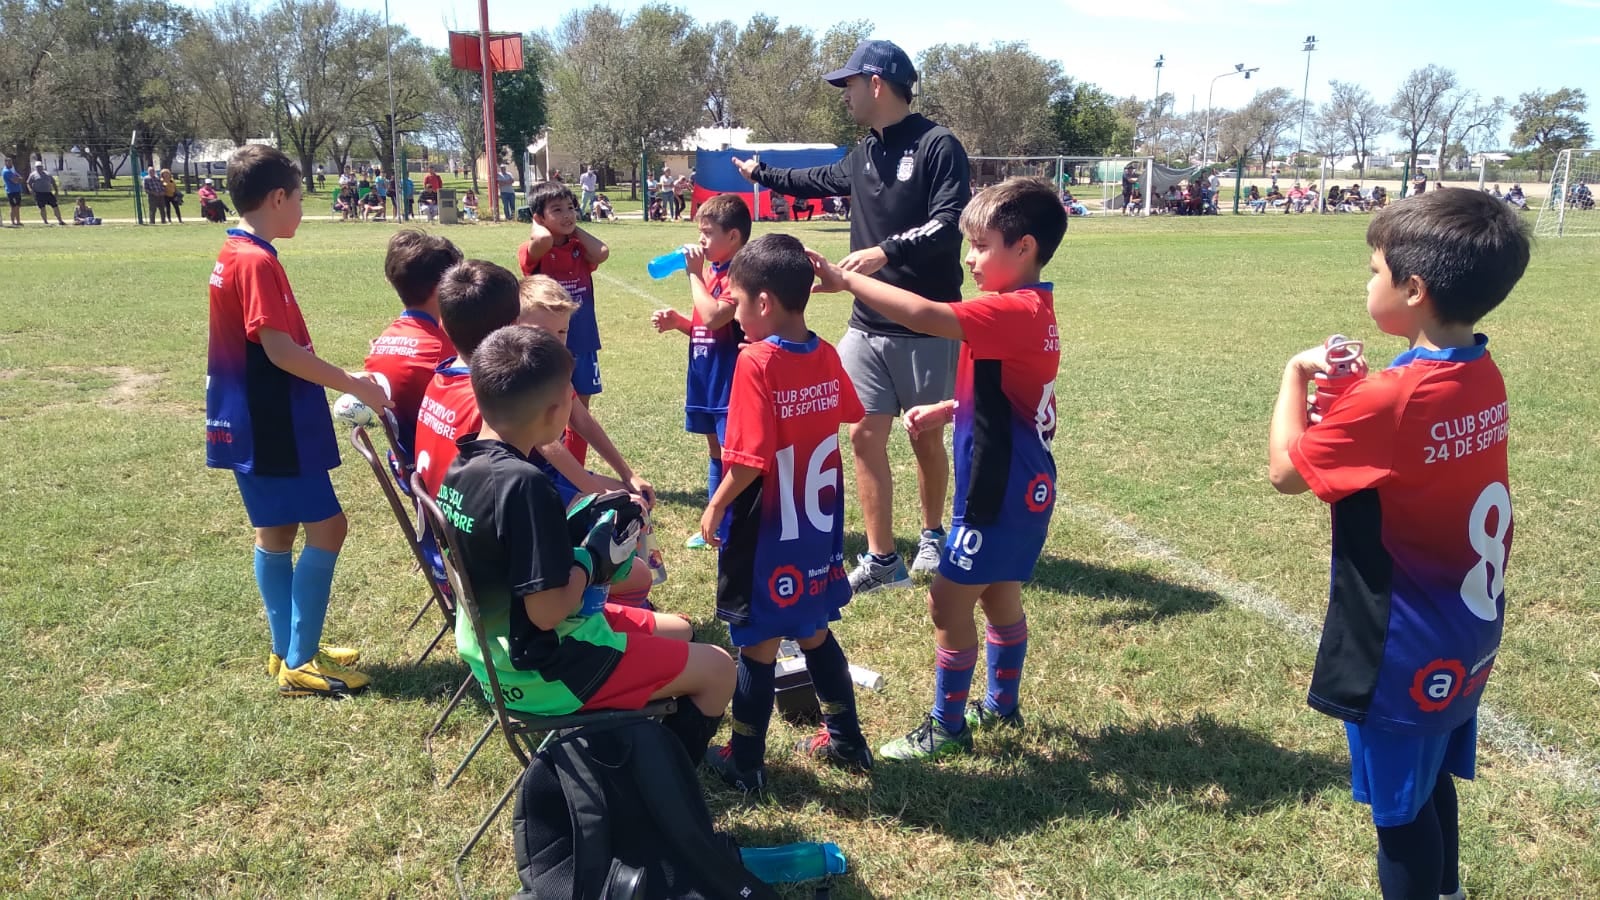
[(817, 479)]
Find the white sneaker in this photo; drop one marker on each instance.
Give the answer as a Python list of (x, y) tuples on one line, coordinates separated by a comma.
[(870, 575), (929, 548)]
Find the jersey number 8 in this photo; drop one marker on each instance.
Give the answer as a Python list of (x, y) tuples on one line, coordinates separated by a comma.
[(1486, 580)]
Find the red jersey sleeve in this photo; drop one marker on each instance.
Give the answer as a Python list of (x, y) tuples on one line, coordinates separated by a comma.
[(525, 260), (752, 436), (1353, 447), (991, 324), (264, 294)]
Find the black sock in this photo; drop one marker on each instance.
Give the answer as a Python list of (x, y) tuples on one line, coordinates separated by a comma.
[(693, 728), (830, 676), (886, 559), (1445, 808), (752, 710), (1411, 858)]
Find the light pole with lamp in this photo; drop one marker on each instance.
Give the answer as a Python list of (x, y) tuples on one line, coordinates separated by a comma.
[(1305, 93), (1205, 142), (1161, 60)]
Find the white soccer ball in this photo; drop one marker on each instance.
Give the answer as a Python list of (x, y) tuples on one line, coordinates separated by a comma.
[(353, 412)]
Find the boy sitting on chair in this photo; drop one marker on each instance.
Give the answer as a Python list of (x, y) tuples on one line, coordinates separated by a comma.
[(555, 647)]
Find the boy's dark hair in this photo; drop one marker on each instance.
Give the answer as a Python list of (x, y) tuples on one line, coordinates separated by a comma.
[(1467, 247), (514, 369), (415, 263), (546, 191), (476, 299), (1017, 207), (255, 171), (728, 212), (777, 264), (903, 91)]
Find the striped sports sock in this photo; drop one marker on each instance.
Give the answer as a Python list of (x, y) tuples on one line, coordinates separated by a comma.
[(1007, 647), (952, 683), (753, 698)]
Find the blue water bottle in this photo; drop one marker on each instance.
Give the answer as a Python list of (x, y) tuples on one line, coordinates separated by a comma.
[(801, 861), (667, 263)]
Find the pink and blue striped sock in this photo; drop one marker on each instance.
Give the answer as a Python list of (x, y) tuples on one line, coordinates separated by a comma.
[(952, 683), (1007, 647)]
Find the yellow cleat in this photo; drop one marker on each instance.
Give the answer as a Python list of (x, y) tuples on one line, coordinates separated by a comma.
[(320, 677), (344, 656)]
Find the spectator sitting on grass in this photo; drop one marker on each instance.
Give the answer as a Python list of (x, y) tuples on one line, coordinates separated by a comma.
[(1258, 205), (469, 206), (602, 208), (83, 215), (1313, 199), (428, 203), (373, 206), (1275, 197), (1297, 199)]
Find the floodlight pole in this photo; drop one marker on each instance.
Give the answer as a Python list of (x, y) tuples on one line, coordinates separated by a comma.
[(1161, 60), (394, 143), (1205, 141), (1305, 94), (490, 156)]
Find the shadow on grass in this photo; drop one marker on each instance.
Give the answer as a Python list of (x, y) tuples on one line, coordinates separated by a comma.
[(1138, 596), (687, 499), (1045, 773), (436, 679)]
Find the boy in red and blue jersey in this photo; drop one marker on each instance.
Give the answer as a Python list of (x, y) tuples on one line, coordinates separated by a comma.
[(557, 247), (1413, 462), (714, 335), (405, 355), (778, 515), (267, 420), (1005, 419)]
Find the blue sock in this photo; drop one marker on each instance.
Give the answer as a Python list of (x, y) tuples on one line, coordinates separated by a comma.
[(313, 581), (836, 693), (713, 476), (752, 710), (275, 579), (951, 683), (1007, 647)]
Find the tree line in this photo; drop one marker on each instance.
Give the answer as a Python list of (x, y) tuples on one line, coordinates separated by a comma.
[(85, 75)]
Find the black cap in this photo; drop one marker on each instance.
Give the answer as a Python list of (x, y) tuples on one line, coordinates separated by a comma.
[(881, 58)]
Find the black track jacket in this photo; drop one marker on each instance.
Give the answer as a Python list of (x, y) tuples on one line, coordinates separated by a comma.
[(907, 189)]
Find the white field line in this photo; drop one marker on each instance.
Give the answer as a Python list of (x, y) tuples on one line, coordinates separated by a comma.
[(614, 281), (1500, 730)]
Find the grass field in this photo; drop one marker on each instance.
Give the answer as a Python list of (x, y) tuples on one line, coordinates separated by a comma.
[(1169, 751)]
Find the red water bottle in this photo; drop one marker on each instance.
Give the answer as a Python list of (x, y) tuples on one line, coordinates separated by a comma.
[(1344, 370)]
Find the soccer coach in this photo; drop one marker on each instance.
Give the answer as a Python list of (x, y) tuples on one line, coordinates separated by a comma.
[(908, 182)]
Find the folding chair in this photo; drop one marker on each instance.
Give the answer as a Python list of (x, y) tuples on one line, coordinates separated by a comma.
[(518, 728), (363, 444)]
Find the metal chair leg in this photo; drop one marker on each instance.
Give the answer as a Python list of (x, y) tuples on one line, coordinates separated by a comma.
[(476, 746), (483, 828), (461, 693), (443, 630), (427, 605)]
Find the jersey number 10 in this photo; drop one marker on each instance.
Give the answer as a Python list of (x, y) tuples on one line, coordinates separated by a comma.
[(817, 479)]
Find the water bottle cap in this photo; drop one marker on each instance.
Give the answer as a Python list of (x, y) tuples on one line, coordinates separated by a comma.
[(835, 858)]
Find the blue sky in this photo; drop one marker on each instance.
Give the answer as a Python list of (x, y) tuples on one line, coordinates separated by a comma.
[(1497, 48)]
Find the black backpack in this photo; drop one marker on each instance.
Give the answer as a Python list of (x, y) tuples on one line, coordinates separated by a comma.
[(614, 812)]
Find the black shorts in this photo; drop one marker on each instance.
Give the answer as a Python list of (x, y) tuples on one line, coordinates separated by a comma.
[(15, 200), (44, 198)]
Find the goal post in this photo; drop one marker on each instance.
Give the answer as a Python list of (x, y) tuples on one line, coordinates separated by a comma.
[(1095, 181), (1570, 207)]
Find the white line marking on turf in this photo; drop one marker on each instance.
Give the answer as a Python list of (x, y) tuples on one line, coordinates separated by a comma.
[(614, 281), (1500, 730)]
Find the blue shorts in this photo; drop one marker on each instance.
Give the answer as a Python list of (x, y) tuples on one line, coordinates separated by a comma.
[(586, 372), (1000, 552), (698, 421), (273, 501), (1395, 773), (754, 633)]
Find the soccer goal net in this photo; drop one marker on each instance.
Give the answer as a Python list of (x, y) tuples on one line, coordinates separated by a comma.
[(1094, 183), (1569, 209)]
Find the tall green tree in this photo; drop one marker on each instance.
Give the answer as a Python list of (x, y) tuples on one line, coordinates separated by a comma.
[(220, 62), (1083, 119), (775, 81), (1415, 107), (996, 98), (1549, 123), (327, 66), (29, 80), (830, 120), (1352, 114), (626, 86)]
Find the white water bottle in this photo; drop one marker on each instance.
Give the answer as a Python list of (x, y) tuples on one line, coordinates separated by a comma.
[(865, 677)]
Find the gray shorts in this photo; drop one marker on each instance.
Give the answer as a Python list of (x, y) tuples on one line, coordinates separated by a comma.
[(894, 372)]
